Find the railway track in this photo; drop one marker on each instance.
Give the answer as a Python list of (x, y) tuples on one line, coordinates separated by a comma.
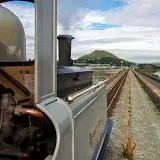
[(114, 91), (111, 80), (112, 97), (144, 128)]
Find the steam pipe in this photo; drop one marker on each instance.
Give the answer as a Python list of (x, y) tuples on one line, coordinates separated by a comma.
[(27, 111)]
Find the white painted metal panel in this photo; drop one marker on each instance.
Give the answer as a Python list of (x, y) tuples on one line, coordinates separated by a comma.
[(90, 119), (61, 116), (45, 61)]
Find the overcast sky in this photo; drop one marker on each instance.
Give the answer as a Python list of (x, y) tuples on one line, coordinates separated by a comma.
[(128, 28)]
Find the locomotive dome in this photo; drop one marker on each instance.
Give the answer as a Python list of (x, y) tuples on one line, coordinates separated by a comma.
[(12, 37)]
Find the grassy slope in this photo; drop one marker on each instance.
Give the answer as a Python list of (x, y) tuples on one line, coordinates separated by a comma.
[(102, 57)]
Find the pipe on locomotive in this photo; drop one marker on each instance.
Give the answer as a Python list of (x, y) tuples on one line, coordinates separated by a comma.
[(28, 111)]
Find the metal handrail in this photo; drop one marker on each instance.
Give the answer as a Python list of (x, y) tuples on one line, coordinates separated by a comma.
[(72, 98)]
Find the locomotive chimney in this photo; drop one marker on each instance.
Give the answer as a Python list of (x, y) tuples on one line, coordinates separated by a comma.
[(65, 50)]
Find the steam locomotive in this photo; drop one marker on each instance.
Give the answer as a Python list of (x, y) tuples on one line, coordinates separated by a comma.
[(47, 111)]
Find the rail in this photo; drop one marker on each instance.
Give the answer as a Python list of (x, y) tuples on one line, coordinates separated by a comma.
[(115, 90), (114, 76)]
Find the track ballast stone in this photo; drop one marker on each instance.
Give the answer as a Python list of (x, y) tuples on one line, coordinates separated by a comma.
[(144, 124)]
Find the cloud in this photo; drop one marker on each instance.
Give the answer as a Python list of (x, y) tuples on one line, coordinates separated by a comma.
[(132, 13), (137, 13), (138, 30), (126, 37), (129, 30), (139, 56)]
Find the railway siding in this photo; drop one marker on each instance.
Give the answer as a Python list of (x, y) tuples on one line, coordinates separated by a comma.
[(151, 86), (153, 80)]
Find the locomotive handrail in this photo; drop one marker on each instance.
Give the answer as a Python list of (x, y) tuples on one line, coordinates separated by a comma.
[(72, 98)]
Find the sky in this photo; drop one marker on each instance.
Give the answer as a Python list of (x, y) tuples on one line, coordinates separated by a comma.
[(128, 28)]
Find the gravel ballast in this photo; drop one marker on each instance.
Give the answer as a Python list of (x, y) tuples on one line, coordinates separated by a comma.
[(144, 124)]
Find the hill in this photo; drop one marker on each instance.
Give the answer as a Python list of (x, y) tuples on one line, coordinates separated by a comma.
[(103, 57)]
